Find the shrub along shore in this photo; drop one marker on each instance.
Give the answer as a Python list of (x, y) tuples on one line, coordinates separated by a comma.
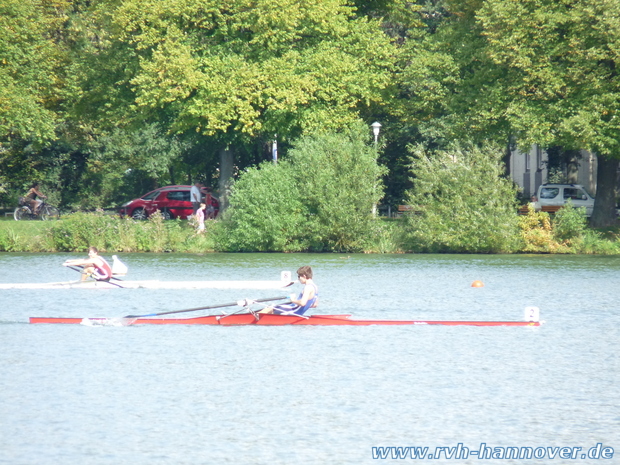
[(567, 232)]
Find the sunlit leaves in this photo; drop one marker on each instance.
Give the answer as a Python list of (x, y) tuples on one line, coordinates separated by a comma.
[(250, 67), (30, 60), (562, 59)]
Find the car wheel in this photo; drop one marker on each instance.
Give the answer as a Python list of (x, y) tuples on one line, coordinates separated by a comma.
[(167, 215), (139, 214)]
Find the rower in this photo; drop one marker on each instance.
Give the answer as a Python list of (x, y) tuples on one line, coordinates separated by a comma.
[(94, 266), (308, 298)]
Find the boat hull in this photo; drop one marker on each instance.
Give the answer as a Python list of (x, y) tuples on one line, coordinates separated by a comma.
[(245, 319)]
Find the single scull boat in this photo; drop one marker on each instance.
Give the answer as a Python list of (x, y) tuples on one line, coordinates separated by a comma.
[(151, 284), (265, 319), (120, 269)]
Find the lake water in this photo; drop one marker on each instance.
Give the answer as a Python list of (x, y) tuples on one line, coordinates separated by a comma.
[(145, 395)]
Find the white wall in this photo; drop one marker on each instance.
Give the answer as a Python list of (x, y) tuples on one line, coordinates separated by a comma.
[(529, 170)]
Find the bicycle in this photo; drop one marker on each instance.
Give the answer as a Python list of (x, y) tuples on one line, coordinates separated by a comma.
[(46, 212)]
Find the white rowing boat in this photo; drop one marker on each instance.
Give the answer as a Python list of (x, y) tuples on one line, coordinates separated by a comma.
[(120, 269), (151, 284)]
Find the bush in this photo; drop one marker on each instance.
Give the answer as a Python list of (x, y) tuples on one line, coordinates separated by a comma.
[(320, 198), (570, 223), (462, 200), (566, 233), (25, 236), (339, 183), (536, 232), (265, 212)]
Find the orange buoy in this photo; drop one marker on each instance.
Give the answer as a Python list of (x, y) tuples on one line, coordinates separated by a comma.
[(477, 284)]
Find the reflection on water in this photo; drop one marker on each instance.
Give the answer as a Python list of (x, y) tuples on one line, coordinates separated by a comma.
[(194, 395)]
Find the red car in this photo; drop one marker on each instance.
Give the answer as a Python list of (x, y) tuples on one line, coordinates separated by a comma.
[(172, 201)]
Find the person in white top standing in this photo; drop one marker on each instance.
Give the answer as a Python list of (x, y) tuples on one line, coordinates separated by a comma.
[(200, 218), (195, 196)]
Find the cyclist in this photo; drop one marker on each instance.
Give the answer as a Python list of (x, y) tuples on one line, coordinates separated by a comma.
[(32, 200)]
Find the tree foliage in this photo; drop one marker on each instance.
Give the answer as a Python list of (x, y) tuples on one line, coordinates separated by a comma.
[(122, 158), (563, 87), (529, 72), (319, 199), (238, 69), (266, 212), (462, 202), (30, 69), (159, 89)]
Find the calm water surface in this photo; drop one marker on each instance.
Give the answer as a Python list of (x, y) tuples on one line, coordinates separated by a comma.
[(71, 394)]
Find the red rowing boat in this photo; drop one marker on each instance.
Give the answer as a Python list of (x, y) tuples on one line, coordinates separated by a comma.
[(263, 319)]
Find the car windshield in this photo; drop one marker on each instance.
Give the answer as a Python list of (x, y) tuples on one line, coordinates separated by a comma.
[(549, 192), (150, 195)]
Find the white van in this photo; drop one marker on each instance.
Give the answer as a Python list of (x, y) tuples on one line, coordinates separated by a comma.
[(558, 194)]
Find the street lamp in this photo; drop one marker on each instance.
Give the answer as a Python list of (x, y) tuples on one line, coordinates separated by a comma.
[(376, 127)]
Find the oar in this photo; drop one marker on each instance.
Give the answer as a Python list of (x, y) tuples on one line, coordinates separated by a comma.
[(245, 306), (110, 281), (203, 308)]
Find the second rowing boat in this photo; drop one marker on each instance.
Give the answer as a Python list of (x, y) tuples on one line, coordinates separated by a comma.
[(151, 284)]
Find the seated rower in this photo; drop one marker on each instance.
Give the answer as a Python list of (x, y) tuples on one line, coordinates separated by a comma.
[(308, 298), (94, 266)]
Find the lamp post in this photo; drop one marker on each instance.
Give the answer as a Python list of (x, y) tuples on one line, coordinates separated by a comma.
[(274, 149), (376, 127)]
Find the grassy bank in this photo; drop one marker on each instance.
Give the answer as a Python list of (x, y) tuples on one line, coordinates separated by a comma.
[(566, 233), (78, 231)]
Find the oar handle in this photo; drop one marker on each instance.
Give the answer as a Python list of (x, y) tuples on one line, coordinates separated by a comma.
[(203, 308)]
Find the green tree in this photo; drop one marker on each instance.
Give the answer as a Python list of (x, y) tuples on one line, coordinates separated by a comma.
[(238, 71), (447, 87), (122, 158), (320, 198), (563, 86), (339, 182), (29, 70), (532, 72), (266, 214), (462, 201), (33, 87)]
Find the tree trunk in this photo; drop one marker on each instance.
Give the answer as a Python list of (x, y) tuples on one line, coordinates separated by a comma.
[(506, 159), (225, 181), (572, 165), (604, 213)]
